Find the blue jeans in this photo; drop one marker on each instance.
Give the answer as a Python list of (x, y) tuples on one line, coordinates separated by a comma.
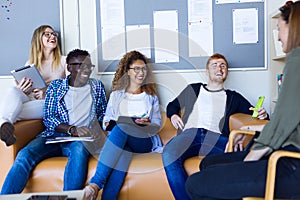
[(36, 151), (189, 143), (115, 158)]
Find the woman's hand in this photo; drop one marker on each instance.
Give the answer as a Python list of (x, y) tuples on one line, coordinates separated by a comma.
[(254, 155), (143, 121), (237, 143), (39, 93), (25, 85), (177, 121)]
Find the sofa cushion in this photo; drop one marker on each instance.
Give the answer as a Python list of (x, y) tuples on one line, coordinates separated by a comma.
[(145, 175)]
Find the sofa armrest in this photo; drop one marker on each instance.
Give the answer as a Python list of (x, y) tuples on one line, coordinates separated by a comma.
[(236, 121), (25, 131)]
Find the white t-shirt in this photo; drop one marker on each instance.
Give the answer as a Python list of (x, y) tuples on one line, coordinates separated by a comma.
[(79, 102), (208, 110), (134, 105)]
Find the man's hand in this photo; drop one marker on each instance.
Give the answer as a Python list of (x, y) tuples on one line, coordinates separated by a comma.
[(262, 113), (83, 131), (177, 122)]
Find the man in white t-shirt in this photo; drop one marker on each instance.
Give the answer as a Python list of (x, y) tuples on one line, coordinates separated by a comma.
[(204, 126), (74, 106)]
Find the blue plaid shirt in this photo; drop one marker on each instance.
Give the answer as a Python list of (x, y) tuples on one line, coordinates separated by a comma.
[(55, 110)]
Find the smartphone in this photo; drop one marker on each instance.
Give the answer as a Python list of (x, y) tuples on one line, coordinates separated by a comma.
[(258, 106)]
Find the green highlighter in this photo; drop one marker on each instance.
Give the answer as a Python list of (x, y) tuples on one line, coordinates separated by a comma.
[(258, 106)]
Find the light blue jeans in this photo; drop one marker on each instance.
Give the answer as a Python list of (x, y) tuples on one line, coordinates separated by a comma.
[(115, 158), (189, 143), (36, 151)]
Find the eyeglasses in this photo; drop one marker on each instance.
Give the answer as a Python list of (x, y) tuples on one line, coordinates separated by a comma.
[(138, 69), (49, 34), (82, 66)]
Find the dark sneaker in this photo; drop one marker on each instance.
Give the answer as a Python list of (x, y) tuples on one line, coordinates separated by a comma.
[(7, 133)]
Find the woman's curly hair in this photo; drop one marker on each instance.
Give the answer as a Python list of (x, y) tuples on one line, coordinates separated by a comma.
[(121, 79)]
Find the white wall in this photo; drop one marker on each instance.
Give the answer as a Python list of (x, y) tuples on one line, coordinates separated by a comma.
[(79, 31)]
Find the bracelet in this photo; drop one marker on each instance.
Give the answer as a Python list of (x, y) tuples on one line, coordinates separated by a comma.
[(69, 130)]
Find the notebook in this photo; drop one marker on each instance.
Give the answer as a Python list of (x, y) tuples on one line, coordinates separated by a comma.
[(30, 72)]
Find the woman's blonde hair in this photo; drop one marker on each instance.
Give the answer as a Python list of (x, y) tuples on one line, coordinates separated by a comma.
[(36, 52), (121, 79)]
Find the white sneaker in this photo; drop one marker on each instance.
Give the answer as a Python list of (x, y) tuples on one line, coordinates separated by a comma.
[(7, 133)]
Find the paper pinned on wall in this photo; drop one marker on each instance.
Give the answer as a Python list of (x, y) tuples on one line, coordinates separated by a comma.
[(200, 39), (113, 42), (112, 29), (245, 26), (236, 1), (138, 38), (199, 10), (200, 28), (166, 36), (112, 13)]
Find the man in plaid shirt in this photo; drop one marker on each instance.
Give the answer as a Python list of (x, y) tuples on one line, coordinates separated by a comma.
[(74, 106)]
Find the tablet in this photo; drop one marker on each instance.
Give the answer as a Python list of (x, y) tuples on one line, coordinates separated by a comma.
[(30, 72), (147, 128)]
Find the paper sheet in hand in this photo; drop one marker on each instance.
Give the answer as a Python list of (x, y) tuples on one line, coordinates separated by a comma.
[(30, 72), (68, 139)]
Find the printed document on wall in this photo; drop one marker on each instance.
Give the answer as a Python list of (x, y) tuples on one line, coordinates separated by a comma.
[(245, 25), (138, 38), (113, 42), (200, 39), (166, 36), (200, 28), (112, 12), (236, 1), (112, 29)]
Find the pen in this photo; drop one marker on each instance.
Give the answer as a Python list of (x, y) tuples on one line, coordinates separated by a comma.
[(144, 115)]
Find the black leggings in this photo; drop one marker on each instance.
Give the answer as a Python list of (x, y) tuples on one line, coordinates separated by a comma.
[(226, 176)]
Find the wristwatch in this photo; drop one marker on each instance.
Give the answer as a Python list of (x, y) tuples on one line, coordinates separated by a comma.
[(71, 130)]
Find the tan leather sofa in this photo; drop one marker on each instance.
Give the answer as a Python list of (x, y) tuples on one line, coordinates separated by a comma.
[(146, 178)]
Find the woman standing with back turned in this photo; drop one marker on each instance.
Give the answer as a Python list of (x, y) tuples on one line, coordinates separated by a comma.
[(243, 174), (21, 104)]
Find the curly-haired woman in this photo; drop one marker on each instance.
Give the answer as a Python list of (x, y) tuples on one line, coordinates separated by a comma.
[(133, 95)]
